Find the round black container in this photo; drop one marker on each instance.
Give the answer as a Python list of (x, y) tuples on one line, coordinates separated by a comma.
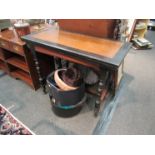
[(65, 98), (66, 103), (68, 111)]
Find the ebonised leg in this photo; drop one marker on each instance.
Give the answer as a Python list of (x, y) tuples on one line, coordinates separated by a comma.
[(97, 108), (42, 80), (103, 88), (98, 101)]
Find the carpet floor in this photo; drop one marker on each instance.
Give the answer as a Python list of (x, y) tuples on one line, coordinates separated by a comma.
[(132, 111), (33, 108), (135, 113)]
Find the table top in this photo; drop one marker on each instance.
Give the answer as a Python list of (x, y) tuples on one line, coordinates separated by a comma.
[(93, 48)]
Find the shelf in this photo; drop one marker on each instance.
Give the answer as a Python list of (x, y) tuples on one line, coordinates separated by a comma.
[(15, 60), (19, 74), (18, 62), (1, 55), (2, 65)]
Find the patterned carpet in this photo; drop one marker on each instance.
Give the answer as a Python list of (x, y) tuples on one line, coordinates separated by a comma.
[(9, 125)]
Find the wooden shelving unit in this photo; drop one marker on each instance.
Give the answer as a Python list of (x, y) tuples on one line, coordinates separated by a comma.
[(15, 59), (18, 62), (20, 74), (1, 57), (17, 66), (3, 66)]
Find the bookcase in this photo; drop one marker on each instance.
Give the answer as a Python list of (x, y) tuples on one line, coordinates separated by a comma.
[(16, 59)]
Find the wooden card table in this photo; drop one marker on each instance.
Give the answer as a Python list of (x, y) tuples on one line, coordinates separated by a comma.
[(96, 53)]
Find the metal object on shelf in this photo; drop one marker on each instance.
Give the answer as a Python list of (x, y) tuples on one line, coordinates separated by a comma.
[(22, 29)]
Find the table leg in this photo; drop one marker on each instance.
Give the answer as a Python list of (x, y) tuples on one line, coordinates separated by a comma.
[(104, 87), (42, 80)]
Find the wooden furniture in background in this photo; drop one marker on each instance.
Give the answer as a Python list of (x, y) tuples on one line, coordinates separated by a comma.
[(103, 28), (16, 60)]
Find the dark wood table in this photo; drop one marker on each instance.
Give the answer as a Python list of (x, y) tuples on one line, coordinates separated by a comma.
[(93, 52)]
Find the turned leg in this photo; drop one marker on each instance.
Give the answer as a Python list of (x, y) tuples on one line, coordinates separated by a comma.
[(42, 80), (98, 101), (103, 89)]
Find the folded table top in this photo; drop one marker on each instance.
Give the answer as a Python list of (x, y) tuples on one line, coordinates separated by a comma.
[(97, 49)]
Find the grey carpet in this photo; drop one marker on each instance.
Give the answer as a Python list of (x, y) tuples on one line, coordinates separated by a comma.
[(135, 113), (34, 110), (132, 111)]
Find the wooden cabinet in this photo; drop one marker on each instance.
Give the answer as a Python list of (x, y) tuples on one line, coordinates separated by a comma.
[(14, 59), (93, 27), (17, 49), (4, 44)]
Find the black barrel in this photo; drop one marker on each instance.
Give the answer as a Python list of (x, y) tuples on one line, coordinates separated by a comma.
[(65, 103)]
